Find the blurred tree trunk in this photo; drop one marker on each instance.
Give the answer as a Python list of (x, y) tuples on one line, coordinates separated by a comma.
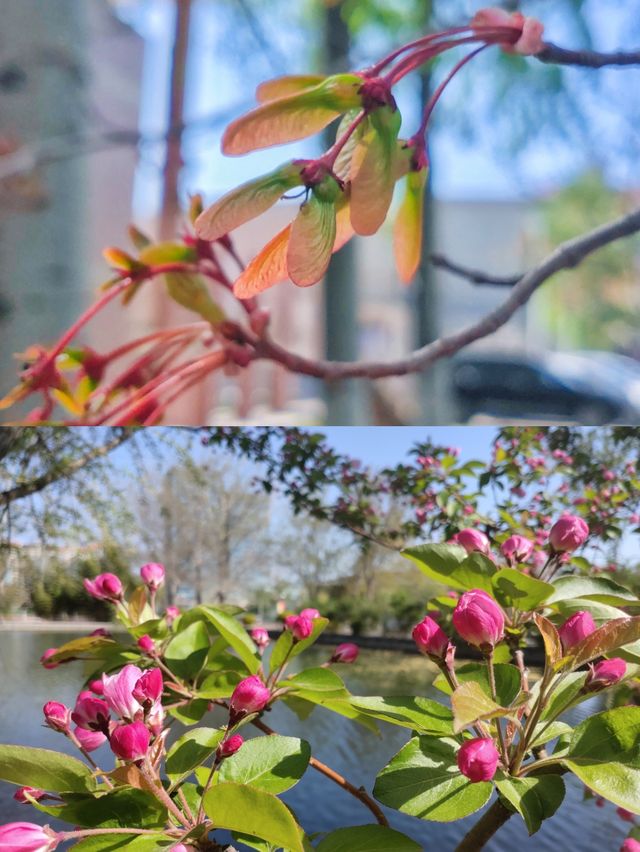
[(42, 262), (348, 401)]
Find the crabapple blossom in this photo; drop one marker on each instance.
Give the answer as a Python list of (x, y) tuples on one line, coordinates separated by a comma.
[(576, 628), (517, 548), (33, 792), (130, 742), (152, 575), (260, 636), (45, 657), (105, 587), (89, 740), (568, 534), (478, 759), (91, 713), (472, 540), (229, 746), (605, 673), (478, 619), (146, 644), (27, 837), (430, 638), (249, 696), (346, 652), (57, 716), (118, 691), (300, 626)]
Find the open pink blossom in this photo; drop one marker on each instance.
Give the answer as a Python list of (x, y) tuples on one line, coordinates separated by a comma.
[(91, 713), (89, 740), (105, 587), (27, 837), (148, 690), (118, 692)]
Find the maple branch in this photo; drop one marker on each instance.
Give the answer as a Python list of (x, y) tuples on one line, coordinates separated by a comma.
[(555, 55), (475, 276), (565, 256)]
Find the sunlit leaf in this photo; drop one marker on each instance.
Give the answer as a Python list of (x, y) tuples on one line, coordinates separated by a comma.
[(160, 253), (313, 234), (292, 117), (408, 227), (246, 202), (470, 704), (535, 799), (267, 268), (290, 84), (372, 173), (191, 292)]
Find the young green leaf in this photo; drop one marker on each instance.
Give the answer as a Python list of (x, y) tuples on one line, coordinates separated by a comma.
[(471, 704), (367, 838), (273, 763), (512, 588), (239, 807), (236, 636), (507, 677), (190, 751), (188, 650), (535, 798), (600, 589), (423, 780), (450, 564), (416, 713), (40, 767)]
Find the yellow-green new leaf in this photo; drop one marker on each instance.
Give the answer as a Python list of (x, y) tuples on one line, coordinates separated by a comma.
[(408, 227), (292, 117), (246, 202), (191, 292), (313, 234), (471, 704)]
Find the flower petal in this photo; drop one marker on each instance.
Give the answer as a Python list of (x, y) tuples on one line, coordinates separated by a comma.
[(291, 84), (407, 229), (246, 202), (313, 234), (267, 268), (292, 117)]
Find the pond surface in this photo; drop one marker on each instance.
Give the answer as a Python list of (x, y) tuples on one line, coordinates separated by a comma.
[(352, 750)]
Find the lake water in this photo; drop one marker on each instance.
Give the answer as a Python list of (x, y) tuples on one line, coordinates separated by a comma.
[(353, 751)]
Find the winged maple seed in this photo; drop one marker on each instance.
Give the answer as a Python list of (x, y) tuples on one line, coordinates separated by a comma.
[(349, 189)]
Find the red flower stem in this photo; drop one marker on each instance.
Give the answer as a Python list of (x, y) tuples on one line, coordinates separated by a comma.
[(415, 60), (155, 417), (161, 335), (78, 745), (375, 70), (435, 97)]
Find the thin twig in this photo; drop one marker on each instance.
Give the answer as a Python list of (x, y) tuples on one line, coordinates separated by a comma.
[(555, 55), (475, 276)]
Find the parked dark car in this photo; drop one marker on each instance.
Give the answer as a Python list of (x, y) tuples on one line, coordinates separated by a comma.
[(556, 386)]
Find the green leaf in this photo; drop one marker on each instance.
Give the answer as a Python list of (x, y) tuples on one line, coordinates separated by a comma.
[(190, 751), (568, 692), (118, 808), (161, 253), (604, 753), (471, 704), (40, 767), (508, 680), (242, 808), (316, 680), (600, 589), (609, 637), (272, 763), (186, 653), (192, 712), (286, 648), (514, 589), (236, 636), (535, 798), (544, 732), (367, 838), (86, 646), (423, 780), (105, 843), (189, 290), (450, 564), (219, 684), (414, 712)]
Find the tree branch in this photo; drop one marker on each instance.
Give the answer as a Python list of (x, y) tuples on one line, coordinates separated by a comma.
[(475, 276), (566, 256), (553, 54), (485, 828)]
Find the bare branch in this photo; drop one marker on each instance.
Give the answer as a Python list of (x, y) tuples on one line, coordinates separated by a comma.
[(475, 276), (566, 256), (555, 55)]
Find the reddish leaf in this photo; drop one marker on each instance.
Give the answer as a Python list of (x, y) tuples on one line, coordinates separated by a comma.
[(246, 202), (292, 117), (407, 230), (611, 636), (550, 637), (313, 235), (267, 268), (281, 87)]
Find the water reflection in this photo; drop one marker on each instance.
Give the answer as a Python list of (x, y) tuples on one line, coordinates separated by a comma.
[(352, 750)]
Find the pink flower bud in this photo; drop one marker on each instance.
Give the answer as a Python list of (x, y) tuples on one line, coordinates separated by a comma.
[(346, 652), (171, 613), (625, 815), (472, 540), (249, 696), (516, 549), (630, 845), (96, 686), (130, 742), (27, 837), (478, 619), (118, 692), (33, 792), (300, 626), (147, 645), (478, 759), (89, 740), (91, 713), (44, 658), (310, 612), (105, 587), (57, 716), (576, 628), (430, 638), (260, 636), (568, 534), (148, 689), (605, 673), (152, 575), (229, 746), (100, 631)]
